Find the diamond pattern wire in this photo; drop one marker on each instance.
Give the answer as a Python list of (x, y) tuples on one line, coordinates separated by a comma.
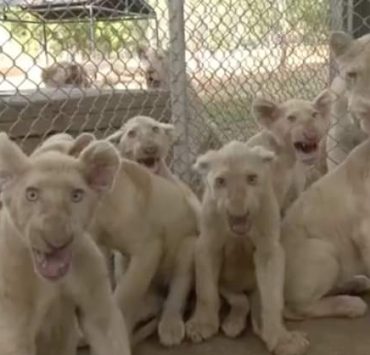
[(89, 65)]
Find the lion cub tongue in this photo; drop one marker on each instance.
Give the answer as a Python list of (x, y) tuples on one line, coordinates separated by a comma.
[(55, 264)]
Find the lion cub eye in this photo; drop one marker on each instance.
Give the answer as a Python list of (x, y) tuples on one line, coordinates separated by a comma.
[(32, 194), (252, 179), (291, 118), (315, 114), (220, 182), (131, 133), (77, 195), (155, 129), (352, 75)]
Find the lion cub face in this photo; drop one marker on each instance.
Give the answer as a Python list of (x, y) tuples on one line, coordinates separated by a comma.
[(51, 197), (235, 178), (156, 68), (300, 124), (353, 59), (146, 141)]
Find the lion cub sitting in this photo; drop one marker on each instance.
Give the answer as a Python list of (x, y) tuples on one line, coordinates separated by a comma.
[(326, 237), (240, 242), (49, 265), (150, 220), (294, 130), (148, 142)]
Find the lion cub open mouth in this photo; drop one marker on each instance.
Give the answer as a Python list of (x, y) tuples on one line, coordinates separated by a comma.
[(239, 225), (54, 264), (307, 151), (151, 163)]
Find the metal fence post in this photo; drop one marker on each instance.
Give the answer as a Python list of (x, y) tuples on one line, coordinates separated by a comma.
[(337, 23), (182, 161)]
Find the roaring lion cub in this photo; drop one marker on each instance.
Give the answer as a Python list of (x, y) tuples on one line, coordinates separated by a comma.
[(49, 265), (148, 142), (239, 249), (294, 130)]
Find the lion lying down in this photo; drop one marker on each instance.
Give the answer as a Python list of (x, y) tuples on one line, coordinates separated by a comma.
[(49, 266)]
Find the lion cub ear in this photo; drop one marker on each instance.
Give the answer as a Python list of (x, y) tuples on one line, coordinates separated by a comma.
[(265, 111), (204, 162), (169, 130), (266, 155), (101, 162), (80, 143), (340, 42), (13, 162)]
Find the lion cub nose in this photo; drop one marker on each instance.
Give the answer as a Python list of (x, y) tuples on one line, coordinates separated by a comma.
[(150, 149)]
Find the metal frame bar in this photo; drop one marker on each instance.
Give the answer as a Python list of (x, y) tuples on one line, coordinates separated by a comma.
[(124, 16), (180, 117)]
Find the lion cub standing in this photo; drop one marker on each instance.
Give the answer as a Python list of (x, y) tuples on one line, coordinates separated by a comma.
[(49, 266), (239, 204)]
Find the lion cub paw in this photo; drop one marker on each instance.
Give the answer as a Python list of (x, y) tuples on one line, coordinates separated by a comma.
[(292, 343), (200, 328), (233, 326), (171, 331)]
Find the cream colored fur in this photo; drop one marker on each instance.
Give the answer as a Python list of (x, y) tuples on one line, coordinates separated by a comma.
[(49, 266), (326, 239), (351, 108), (148, 142), (239, 248), (136, 220), (284, 125), (65, 143), (202, 134), (65, 74)]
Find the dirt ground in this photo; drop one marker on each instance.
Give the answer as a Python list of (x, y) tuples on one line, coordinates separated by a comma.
[(327, 336)]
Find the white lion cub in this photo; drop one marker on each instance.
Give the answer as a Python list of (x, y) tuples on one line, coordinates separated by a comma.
[(240, 242), (148, 142), (150, 220), (326, 237), (49, 265), (351, 107), (294, 130)]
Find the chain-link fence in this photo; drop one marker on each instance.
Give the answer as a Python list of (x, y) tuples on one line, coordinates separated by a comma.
[(89, 65)]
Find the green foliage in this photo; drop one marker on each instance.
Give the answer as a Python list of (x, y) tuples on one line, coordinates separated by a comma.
[(211, 24), (106, 37)]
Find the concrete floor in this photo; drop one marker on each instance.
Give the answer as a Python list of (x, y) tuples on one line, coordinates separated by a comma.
[(327, 336)]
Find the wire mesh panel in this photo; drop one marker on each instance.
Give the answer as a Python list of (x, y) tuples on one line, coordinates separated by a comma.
[(75, 66), (89, 65)]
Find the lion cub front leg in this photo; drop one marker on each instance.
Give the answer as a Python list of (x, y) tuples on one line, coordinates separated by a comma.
[(205, 321), (99, 316), (269, 262), (135, 282), (171, 328)]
